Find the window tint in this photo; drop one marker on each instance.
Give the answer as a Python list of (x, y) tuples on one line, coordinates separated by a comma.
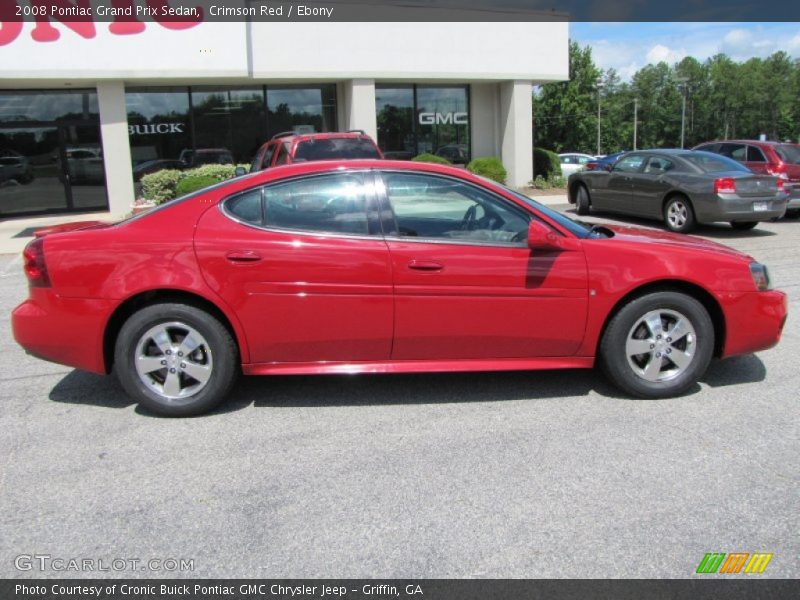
[(335, 148), (268, 154), (755, 154), (629, 164), (734, 151), (328, 203), (246, 207), (657, 165), (789, 153), (283, 155), (712, 163), (434, 207)]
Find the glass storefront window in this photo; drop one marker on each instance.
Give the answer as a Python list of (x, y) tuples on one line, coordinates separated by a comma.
[(395, 113), (414, 119), (305, 110), (51, 156), (226, 119)]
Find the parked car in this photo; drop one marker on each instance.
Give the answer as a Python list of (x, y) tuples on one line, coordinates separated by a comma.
[(381, 267), (682, 188), (604, 162), (458, 154), (15, 169), (572, 162), (289, 147), (85, 165), (769, 158)]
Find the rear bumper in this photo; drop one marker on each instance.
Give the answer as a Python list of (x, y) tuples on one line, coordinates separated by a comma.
[(735, 208), (754, 320), (68, 331)]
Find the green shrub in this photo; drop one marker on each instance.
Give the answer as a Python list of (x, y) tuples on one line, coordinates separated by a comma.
[(556, 181), (490, 167), (160, 186), (431, 158), (192, 183), (546, 163)]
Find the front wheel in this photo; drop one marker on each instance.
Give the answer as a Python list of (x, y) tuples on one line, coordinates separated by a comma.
[(658, 345), (679, 215), (176, 360), (743, 225)]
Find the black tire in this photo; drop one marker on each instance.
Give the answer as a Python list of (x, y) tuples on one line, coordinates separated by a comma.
[(219, 354), (685, 221), (792, 213), (582, 200), (625, 324), (743, 225)]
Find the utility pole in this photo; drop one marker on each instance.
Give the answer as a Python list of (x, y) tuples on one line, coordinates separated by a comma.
[(599, 89), (682, 85), (635, 120)]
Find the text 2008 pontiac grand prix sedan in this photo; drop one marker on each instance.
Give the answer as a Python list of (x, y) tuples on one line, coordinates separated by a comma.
[(381, 267)]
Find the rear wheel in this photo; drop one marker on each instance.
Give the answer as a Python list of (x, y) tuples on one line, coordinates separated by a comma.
[(582, 201), (679, 214), (175, 359), (743, 225), (658, 345)]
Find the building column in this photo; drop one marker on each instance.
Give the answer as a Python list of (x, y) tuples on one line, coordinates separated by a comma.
[(359, 106), (116, 146), (484, 137), (516, 131)]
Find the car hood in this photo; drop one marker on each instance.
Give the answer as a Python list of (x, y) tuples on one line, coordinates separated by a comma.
[(650, 236)]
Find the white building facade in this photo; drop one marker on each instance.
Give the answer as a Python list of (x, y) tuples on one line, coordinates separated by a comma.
[(87, 109)]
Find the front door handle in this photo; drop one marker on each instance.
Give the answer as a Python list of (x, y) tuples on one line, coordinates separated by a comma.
[(425, 265), (243, 256)]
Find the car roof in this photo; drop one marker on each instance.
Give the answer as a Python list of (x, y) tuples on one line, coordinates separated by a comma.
[(753, 142)]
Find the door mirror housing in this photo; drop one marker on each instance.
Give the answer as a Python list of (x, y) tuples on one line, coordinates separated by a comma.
[(542, 237), (239, 171)]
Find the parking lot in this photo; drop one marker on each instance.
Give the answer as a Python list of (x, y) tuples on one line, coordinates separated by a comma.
[(544, 474)]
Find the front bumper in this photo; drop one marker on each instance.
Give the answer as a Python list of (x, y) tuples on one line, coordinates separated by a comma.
[(754, 320), (68, 331)]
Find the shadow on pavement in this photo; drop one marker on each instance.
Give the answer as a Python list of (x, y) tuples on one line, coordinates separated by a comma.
[(287, 391), (733, 371)]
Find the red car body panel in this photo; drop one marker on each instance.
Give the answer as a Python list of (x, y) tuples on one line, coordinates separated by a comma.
[(318, 303)]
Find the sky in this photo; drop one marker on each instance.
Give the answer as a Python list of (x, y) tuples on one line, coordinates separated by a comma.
[(629, 46)]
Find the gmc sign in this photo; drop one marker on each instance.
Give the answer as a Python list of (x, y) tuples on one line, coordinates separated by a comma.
[(436, 118)]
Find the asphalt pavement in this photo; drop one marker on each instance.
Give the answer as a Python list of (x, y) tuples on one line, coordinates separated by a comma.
[(542, 474)]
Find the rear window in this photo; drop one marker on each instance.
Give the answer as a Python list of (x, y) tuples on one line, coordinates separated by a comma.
[(789, 153), (326, 149), (713, 163)]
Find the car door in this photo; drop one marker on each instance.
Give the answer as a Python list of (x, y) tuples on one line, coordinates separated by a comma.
[(304, 266), (616, 194), (466, 284), (756, 161), (649, 186)]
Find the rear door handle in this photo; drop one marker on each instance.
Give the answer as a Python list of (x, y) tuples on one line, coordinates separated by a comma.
[(425, 265), (243, 256)]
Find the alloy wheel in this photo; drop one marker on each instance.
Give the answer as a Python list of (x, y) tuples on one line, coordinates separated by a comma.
[(661, 345)]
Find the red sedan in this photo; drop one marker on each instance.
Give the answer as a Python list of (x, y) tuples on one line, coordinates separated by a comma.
[(381, 267)]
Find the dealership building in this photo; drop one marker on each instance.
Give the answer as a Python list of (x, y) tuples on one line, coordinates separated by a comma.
[(87, 108)]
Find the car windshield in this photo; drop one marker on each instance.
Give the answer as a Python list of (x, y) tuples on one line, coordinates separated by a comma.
[(789, 153), (578, 229), (714, 163), (325, 149)]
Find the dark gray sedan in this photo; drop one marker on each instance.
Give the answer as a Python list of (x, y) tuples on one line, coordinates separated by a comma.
[(681, 188)]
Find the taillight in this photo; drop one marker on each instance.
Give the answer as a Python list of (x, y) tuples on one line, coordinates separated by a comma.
[(725, 185), (591, 166), (780, 184), (35, 266), (778, 171)]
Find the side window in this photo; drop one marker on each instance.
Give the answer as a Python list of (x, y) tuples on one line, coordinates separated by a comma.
[(582, 160), (657, 165), (246, 207), (283, 154), (755, 154), (734, 151), (427, 206), (567, 160), (629, 164), (326, 203), (268, 154)]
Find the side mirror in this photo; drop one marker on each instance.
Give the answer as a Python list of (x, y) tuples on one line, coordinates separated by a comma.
[(541, 237), (609, 167), (239, 171)]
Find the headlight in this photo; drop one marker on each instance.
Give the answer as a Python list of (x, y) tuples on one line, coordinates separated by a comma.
[(760, 276)]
